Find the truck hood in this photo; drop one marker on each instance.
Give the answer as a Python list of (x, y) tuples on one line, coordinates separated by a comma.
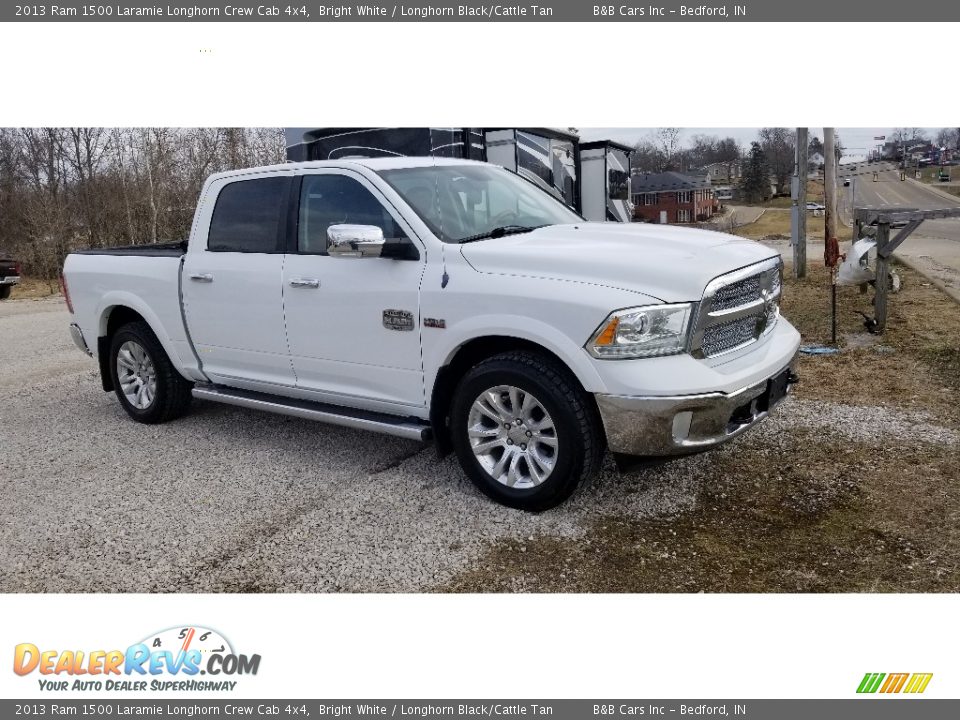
[(672, 264)]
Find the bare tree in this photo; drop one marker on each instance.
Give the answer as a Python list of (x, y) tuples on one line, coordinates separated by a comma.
[(779, 147), (67, 188)]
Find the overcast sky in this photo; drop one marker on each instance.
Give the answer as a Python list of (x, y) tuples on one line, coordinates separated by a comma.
[(856, 141)]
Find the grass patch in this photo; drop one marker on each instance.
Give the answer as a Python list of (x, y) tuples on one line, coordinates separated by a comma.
[(776, 221), (913, 365), (34, 289), (814, 194), (776, 519)]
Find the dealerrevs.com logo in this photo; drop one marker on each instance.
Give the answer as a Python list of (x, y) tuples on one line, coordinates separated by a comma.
[(172, 659)]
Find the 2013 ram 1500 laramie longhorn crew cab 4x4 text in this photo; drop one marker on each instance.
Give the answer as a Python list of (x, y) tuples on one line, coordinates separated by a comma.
[(444, 299)]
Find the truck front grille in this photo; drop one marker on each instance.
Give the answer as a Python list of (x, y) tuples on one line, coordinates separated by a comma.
[(719, 339), (737, 294), (737, 309)]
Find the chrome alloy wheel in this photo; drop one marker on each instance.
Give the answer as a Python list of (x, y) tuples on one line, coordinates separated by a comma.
[(512, 436), (137, 375)]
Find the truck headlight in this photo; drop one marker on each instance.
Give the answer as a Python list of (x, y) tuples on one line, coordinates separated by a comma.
[(642, 332)]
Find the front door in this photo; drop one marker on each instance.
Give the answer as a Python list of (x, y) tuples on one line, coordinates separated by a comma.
[(353, 324)]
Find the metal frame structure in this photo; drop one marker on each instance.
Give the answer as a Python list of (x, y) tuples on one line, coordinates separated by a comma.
[(886, 245)]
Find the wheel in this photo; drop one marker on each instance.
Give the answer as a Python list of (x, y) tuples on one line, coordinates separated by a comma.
[(148, 386), (524, 431), (5, 291)]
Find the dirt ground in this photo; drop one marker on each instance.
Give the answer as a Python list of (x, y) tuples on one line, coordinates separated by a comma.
[(870, 506)]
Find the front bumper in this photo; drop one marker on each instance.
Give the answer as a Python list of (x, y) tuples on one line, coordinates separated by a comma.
[(683, 424), (10, 280)]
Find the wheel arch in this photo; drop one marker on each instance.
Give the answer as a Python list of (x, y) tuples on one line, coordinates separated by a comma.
[(466, 356), (114, 314)]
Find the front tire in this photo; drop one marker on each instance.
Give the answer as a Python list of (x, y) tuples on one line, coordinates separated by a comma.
[(148, 386), (5, 291), (524, 430)]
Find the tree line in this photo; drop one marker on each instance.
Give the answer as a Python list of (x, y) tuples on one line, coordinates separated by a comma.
[(769, 157), (63, 189)]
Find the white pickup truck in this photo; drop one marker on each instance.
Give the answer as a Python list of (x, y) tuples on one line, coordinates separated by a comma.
[(446, 300)]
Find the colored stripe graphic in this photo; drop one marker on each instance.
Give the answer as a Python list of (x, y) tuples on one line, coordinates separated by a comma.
[(894, 683), (870, 682), (918, 683)]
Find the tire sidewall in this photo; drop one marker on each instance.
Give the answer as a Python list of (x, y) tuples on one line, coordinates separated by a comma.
[(149, 346), (570, 455)]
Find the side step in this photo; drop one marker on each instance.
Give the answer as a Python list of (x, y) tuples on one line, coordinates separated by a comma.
[(409, 428)]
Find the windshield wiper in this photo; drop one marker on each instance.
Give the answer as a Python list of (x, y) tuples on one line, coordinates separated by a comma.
[(499, 232)]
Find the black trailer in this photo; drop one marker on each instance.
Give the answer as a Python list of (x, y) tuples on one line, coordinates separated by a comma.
[(544, 156)]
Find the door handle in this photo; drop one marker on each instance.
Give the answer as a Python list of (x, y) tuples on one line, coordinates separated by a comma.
[(305, 283), (201, 277)]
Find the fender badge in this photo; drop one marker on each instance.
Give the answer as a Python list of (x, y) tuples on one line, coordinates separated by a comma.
[(398, 319), (439, 323)]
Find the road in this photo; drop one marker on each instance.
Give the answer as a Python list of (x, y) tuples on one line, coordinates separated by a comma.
[(934, 248)]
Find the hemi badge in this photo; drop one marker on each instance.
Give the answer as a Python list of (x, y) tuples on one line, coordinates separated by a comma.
[(439, 323)]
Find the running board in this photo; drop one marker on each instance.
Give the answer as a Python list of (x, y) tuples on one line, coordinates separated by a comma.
[(409, 428)]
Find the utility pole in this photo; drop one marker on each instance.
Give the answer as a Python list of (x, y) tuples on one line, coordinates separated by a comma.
[(798, 209), (831, 248)]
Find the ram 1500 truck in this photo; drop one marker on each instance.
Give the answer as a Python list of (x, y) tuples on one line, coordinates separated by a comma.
[(448, 300), (9, 275)]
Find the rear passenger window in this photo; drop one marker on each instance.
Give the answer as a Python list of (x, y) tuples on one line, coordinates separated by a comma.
[(327, 200), (247, 216)]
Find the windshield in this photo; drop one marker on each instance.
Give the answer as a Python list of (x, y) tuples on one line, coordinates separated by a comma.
[(460, 202)]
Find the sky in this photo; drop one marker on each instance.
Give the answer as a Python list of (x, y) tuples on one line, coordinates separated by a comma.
[(856, 141)]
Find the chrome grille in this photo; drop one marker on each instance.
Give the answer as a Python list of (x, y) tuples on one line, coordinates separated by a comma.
[(737, 294), (726, 336), (737, 309)]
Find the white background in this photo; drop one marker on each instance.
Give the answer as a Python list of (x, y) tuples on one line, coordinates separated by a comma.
[(600, 75)]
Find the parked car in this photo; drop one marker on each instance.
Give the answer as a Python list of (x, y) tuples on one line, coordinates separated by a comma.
[(812, 206), (9, 274), (444, 300)]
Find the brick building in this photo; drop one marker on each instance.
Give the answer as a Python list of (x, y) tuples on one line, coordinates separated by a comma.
[(671, 197)]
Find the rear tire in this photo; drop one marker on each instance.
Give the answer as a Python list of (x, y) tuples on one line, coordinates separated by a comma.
[(148, 386), (525, 432), (5, 291)]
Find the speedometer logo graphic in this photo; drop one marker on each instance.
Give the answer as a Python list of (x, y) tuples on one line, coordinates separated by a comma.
[(185, 638)]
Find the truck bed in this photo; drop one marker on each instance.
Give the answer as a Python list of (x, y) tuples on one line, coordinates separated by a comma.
[(168, 249), (143, 278)]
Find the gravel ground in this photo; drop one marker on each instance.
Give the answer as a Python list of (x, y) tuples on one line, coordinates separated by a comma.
[(232, 500)]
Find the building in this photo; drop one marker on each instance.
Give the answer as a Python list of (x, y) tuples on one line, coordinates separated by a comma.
[(723, 173), (671, 197)]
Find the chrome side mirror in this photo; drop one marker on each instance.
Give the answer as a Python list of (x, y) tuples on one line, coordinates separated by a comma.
[(356, 241)]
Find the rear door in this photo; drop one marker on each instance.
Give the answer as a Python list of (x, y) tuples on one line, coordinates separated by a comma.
[(353, 324), (232, 277)]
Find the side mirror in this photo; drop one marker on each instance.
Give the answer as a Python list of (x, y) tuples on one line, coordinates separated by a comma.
[(355, 241)]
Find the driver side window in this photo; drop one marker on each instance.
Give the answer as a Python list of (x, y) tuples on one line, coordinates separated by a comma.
[(327, 200)]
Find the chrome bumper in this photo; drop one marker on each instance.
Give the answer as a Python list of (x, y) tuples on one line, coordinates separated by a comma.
[(77, 334), (688, 423), (10, 280)]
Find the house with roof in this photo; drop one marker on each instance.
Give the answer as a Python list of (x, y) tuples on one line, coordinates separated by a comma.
[(723, 173), (671, 197)]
